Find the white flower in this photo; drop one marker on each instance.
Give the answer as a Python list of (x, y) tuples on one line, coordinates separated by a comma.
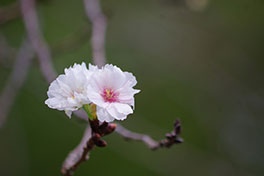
[(69, 91), (111, 90)]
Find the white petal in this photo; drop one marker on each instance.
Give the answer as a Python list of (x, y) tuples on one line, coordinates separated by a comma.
[(112, 77), (68, 113), (103, 115), (119, 111), (123, 108), (127, 96), (114, 113), (131, 79), (93, 68)]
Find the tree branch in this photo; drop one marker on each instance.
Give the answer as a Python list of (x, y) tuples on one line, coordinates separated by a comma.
[(171, 138), (16, 79), (28, 9), (99, 24)]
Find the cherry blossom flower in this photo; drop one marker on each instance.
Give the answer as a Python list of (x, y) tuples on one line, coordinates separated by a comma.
[(69, 91), (111, 90)]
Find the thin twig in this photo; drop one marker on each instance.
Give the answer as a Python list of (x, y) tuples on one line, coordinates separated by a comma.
[(28, 9), (171, 138), (127, 134), (16, 79), (99, 24)]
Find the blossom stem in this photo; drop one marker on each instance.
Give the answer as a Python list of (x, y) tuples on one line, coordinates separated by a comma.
[(88, 110)]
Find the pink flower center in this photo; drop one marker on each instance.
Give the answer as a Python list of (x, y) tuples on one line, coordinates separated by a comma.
[(109, 95)]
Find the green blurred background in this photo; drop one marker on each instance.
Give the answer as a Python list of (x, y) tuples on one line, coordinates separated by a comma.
[(199, 60)]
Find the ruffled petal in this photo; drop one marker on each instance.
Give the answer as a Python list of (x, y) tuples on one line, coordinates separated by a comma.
[(119, 111), (68, 113), (103, 115)]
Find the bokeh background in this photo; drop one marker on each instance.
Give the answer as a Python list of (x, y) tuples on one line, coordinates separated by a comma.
[(199, 60)]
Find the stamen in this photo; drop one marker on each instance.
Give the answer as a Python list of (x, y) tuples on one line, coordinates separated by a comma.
[(109, 95)]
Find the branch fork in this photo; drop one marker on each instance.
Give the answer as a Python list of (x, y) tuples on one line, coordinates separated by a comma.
[(81, 153)]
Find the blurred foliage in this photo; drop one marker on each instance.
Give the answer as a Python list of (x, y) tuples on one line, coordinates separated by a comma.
[(204, 66)]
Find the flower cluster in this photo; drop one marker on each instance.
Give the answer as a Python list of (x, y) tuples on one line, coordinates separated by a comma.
[(109, 88)]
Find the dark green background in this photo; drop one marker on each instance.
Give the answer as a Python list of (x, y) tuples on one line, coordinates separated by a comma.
[(205, 67)]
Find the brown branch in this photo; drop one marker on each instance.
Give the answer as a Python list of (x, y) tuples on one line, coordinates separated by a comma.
[(99, 24), (90, 139), (28, 9), (171, 138), (16, 79)]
